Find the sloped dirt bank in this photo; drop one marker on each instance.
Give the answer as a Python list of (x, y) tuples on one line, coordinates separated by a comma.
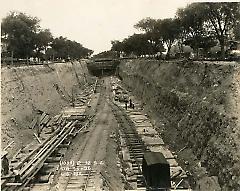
[(26, 89), (196, 108)]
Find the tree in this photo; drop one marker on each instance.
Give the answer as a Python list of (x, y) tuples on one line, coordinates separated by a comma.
[(151, 28), (147, 24), (137, 44), (59, 46), (110, 54), (117, 46), (42, 41), (192, 21), (50, 54), (169, 30), (236, 31), (85, 52), (24, 38), (140, 44), (221, 19), (203, 42), (65, 49), (19, 33)]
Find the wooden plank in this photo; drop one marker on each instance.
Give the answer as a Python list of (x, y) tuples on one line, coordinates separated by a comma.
[(37, 138), (142, 124), (37, 162), (140, 117), (13, 184), (51, 121), (153, 141), (15, 155), (59, 120), (41, 118), (33, 123), (45, 120), (174, 170), (83, 101), (134, 113), (172, 162), (8, 145), (56, 118)]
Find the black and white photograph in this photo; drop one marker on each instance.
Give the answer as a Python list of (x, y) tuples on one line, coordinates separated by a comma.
[(110, 95)]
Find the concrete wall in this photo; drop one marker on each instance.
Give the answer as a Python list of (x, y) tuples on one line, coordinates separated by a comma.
[(195, 104)]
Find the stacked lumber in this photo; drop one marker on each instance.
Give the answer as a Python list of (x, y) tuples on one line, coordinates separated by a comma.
[(29, 164)]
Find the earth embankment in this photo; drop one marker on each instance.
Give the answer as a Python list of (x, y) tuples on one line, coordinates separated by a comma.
[(196, 108), (27, 89)]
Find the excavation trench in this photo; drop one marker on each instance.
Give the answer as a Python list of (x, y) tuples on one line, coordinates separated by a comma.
[(27, 91), (194, 106)]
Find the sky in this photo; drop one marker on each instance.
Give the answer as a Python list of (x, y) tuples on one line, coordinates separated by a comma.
[(93, 23)]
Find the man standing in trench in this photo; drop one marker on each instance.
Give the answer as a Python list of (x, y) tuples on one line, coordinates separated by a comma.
[(130, 103), (5, 163), (38, 125)]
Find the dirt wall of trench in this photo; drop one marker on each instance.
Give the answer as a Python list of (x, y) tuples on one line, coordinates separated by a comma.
[(26, 89), (196, 105)]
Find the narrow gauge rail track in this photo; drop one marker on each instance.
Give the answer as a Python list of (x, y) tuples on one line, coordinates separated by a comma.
[(81, 181), (135, 144), (32, 163), (88, 171)]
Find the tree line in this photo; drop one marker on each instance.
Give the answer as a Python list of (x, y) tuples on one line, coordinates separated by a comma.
[(22, 38), (199, 25)]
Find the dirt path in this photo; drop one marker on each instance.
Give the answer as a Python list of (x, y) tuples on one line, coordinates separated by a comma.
[(89, 151)]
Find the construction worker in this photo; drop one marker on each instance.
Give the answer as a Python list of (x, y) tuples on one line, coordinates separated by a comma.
[(130, 103), (38, 125), (5, 163)]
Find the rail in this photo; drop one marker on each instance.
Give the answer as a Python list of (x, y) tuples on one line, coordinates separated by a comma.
[(89, 171), (128, 128), (33, 162)]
